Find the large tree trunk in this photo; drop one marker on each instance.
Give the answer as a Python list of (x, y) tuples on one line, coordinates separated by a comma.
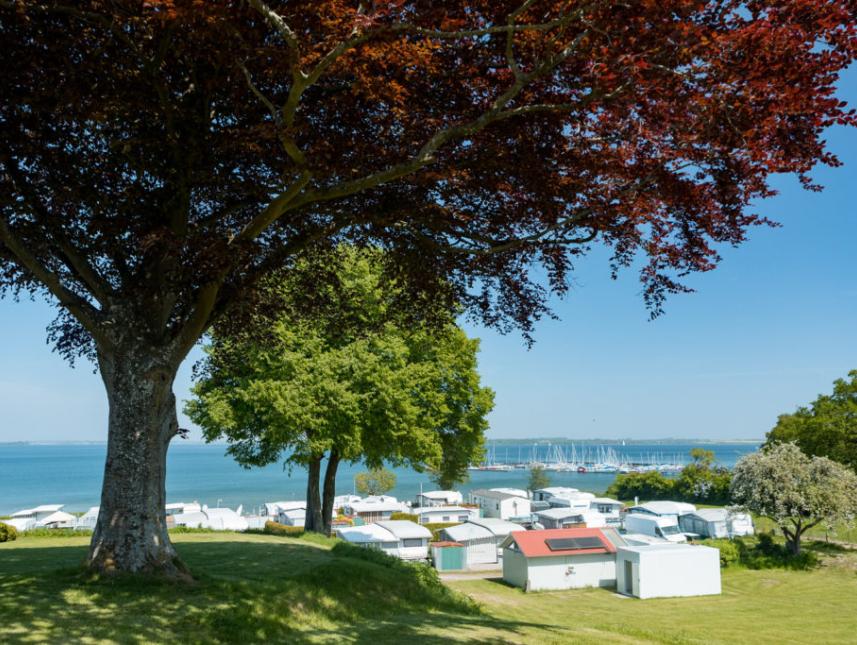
[(131, 533), (313, 520), (329, 491)]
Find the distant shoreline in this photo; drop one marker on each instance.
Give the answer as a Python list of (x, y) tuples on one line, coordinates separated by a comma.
[(520, 440)]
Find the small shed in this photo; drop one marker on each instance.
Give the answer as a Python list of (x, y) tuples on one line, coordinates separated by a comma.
[(448, 556), (668, 570), (555, 559)]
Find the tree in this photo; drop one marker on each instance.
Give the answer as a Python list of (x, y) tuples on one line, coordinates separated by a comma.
[(702, 481), (375, 482), (796, 491), (158, 158), (355, 378), (827, 428), (538, 478)]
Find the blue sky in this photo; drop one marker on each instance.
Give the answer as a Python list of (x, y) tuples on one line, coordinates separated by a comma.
[(769, 329)]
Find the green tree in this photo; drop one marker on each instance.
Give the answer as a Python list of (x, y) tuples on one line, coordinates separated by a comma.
[(795, 490), (539, 478), (376, 481), (827, 428), (353, 378), (702, 481)]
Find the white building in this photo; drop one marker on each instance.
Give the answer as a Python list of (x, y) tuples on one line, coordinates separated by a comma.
[(88, 520), (375, 508), (482, 538), (341, 501), (559, 559), (177, 508), (20, 524), (399, 538), (503, 503), (217, 519), (663, 509), (659, 526), (440, 498), (716, 523), (444, 514), (611, 509), (36, 514), (293, 517), (57, 520), (273, 509), (668, 570), (545, 494), (566, 517)]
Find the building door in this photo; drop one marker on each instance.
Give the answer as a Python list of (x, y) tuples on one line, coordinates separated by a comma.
[(629, 577)]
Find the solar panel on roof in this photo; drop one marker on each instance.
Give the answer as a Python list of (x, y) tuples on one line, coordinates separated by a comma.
[(565, 544)]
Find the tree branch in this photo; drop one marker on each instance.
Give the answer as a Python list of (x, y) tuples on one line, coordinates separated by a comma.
[(83, 311)]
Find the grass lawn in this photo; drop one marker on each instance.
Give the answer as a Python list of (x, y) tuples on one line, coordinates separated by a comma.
[(258, 588)]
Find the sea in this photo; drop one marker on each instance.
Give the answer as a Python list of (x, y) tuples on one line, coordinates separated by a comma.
[(71, 474)]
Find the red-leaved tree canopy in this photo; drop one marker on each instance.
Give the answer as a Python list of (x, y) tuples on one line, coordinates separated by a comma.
[(157, 158)]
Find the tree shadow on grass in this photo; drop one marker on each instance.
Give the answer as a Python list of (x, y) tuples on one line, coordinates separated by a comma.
[(245, 592)]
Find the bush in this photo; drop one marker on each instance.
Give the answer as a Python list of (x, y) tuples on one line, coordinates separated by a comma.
[(730, 550), (762, 553), (57, 533), (7, 533), (275, 528), (405, 516), (437, 527)]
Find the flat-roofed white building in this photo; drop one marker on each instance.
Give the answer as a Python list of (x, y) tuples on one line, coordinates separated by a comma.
[(663, 508), (375, 508), (611, 509), (505, 504), (444, 514), (564, 517), (668, 570), (440, 498), (400, 538)]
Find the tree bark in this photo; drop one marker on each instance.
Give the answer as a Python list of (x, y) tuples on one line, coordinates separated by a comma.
[(313, 520), (131, 532), (329, 491)]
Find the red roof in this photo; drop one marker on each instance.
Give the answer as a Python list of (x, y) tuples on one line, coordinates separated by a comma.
[(533, 544)]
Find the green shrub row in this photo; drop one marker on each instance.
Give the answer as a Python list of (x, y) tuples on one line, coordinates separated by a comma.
[(275, 528), (410, 517), (762, 552)]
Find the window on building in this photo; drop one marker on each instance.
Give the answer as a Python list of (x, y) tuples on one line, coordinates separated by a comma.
[(412, 542)]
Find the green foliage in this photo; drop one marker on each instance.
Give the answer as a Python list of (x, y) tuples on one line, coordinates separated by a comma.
[(375, 482), (410, 517), (8, 533), (827, 428), (275, 528), (700, 482), (761, 552), (56, 533), (794, 490), (729, 551), (647, 485), (350, 373), (437, 527), (539, 478)]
